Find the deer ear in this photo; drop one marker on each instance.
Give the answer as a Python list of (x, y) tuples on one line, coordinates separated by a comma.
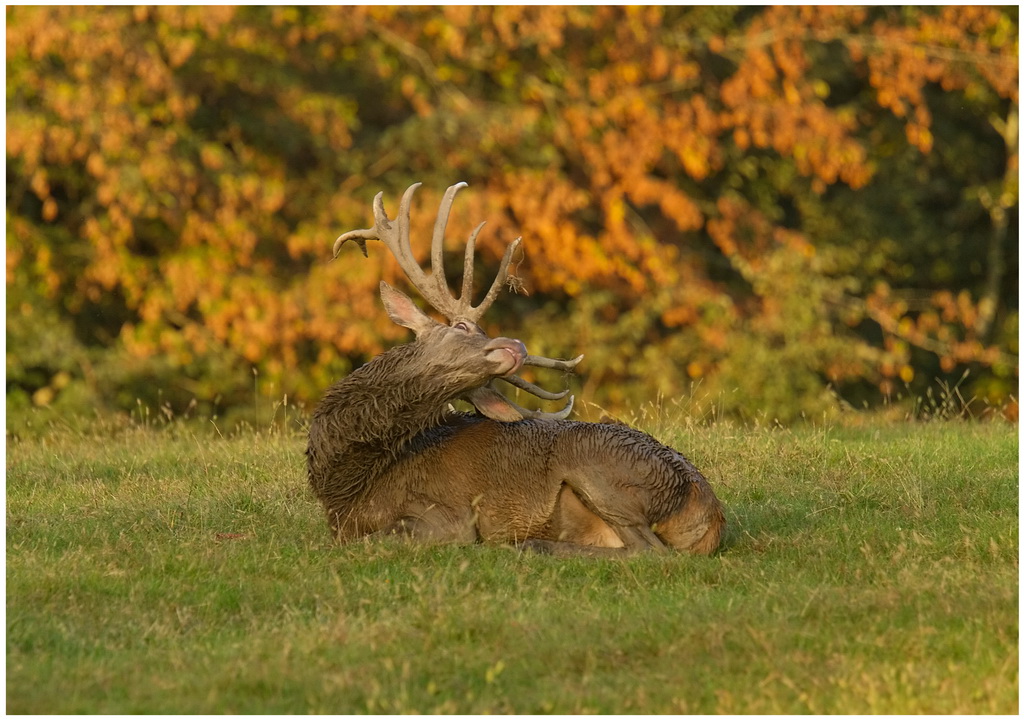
[(403, 311), (493, 405)]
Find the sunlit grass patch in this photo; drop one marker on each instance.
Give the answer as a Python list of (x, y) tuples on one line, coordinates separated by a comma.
[(865, 570)]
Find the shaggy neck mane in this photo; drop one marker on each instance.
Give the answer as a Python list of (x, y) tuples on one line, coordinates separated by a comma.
[(389, 400), (363, 422)]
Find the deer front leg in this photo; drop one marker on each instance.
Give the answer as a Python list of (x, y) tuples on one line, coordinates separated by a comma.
[(429, 522)]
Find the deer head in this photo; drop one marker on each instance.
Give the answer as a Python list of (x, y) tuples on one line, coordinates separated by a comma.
[(459, 351), (460, 312)]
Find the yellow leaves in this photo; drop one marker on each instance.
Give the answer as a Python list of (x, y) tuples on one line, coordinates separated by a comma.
[(628, 73), (1004, 32), (40, 184), (660, 63), (695, 162), (790, 93), (794, 241), (212, 156), (677, 316), (106, 193), (920, 136), (409, 85), (680, 208), (95, 165), (179, 50), (272, 195), (951, 333), (903, 59), (326, 115), (741, 137), (771, 104), (615, 213)]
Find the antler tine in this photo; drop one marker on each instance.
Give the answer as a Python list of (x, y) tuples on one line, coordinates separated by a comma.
[(543, 415), (380, 224), (359, 236), (437, 244), (400, 246), (535, 389), (467, 265), (395, 235), (499, 279), (463, 307), (542, 362), (446, 301), (491, 403)]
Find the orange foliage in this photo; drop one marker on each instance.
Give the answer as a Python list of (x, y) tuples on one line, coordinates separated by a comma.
[(200, 160)]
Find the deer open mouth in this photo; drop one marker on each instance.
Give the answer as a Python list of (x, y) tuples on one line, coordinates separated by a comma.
[(507, 354)]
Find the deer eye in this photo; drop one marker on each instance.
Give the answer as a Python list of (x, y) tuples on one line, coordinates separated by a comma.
[(461, 326)]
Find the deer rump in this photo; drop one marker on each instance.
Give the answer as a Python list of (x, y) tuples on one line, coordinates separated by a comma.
[(385, 457), (563, 487)]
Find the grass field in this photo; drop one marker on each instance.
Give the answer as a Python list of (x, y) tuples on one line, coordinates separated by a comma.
[(870, 569)]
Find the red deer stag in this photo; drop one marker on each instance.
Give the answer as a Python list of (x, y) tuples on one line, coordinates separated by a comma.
[(387, 455)]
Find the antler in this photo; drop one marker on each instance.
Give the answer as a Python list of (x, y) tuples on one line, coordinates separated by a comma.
[(435, 290)]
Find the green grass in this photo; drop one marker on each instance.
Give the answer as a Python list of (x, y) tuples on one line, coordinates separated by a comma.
[(865, 570)]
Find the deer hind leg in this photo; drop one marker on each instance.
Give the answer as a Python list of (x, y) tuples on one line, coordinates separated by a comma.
[(574, 523), (698, 525), (618, 511), (576, 530)]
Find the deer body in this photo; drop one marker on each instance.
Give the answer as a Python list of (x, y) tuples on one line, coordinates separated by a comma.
[(384, 456)]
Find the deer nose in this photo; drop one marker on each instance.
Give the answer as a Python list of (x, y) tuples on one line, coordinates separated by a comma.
[(508, 353)]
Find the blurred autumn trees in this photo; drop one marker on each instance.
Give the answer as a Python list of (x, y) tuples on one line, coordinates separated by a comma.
[(778, 209)]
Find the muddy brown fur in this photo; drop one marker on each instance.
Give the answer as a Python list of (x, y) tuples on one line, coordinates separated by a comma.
[(385, 457)]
